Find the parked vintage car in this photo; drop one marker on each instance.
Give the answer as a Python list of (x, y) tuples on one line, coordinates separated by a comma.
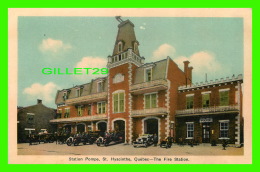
[(110, 138), (82, 138), (143, 141), (46, 137), (33, 139)]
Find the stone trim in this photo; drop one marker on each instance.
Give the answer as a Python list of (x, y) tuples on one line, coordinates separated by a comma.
[(130, 129), (197, 85)]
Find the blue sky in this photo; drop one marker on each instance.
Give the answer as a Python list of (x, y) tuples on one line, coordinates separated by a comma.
[(213, 46)]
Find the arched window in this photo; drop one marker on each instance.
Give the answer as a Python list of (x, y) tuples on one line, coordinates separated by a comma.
[(135, 47), (120, 47), (118, 78)]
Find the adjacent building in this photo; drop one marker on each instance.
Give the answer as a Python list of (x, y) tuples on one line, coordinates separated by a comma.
[(211, 111), (34, 119), (151, 98)]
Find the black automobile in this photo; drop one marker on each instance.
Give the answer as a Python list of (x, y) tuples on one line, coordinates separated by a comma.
[(166, 143), (82, 138), (110, 138)]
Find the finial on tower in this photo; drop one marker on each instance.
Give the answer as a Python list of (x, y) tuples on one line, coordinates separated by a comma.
[(118, 18)]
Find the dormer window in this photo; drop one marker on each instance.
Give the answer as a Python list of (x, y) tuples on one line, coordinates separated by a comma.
[(135, 47), (65, 96), (148, 74), (77, 92), (120, 47), (100, 87)]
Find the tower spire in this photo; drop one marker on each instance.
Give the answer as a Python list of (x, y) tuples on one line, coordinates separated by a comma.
[(125, 37), (118, 18)]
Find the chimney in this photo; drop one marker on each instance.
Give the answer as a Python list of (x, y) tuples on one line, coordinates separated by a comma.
[(39, 101), (189, 76), (186, 69)]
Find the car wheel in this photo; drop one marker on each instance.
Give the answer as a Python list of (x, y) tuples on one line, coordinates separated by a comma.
[(69, 143)]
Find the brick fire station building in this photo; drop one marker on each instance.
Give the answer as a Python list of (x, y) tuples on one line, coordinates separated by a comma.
[(151, 98)]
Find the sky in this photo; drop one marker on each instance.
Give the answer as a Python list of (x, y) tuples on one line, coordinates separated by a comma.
[(214, 46)]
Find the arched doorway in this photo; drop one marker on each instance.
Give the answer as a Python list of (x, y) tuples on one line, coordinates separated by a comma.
[(102, 126), (119, 126), (80, 128), (67, 128), (151, 126)]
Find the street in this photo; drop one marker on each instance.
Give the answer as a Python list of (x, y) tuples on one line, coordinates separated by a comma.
[(123, 149)]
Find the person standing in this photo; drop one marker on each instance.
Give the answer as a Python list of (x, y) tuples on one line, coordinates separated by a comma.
[(155, 139)]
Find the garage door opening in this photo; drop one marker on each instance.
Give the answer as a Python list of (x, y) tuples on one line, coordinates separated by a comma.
[(80, 128), (102, 126), (151, 126), (119, 126)]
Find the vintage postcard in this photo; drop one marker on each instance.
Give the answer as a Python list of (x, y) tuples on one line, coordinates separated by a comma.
[(130, 86)]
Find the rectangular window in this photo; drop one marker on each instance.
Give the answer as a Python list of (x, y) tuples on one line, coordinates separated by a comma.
[(67, 113), (101, 107), (223, 129), (79, 111), (120, 47), (59, 113), (153, 100), (148, 74), (190, 130), (65, 97), (115, 103), (205, 100), (30, 118), (77, 92), (150, 101), (189, 102), (100, 87), (119, 102), (89, 109), (224, 98)]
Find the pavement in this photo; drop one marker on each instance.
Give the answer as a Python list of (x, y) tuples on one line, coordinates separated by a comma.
[(125, 149)]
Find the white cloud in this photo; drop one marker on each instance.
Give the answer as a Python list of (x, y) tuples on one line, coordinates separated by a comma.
[(53, 46), (203, 62), (90, 62), (45, 92), (142, 27), (163, 51)]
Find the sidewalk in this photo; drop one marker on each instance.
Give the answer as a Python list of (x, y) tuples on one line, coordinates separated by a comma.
[(123, 149)]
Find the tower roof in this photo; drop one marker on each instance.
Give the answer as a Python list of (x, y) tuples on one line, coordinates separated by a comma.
[(125, 37)]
